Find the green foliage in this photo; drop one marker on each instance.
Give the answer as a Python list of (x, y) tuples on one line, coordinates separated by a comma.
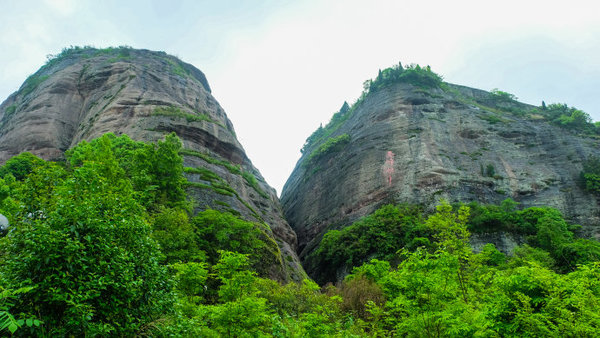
[(216, 183), (21, 165), (8, 323), (544, 228), (190, 280), (450, 229), (379, 235), (121, 52), (569, 118), (32, 83), (205, 174), (86, 251), (333, 144), (168, 169), (9, 111), (176, 236), (322, 133), (453, 292), (176, 67), (91, 244), (590, 175), (172, 111), (500, 96), (155, 171), (223, 231), (234, 169), (492, 118), (414, 74), (253, 182)]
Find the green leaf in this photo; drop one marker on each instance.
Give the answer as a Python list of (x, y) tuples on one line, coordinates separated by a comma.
[(12, 328), (29, 322)]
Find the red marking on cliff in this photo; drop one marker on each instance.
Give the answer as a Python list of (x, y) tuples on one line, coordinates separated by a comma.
[(388, 166)]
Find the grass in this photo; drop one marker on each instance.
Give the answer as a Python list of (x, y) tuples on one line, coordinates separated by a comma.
[(176, 68), (253, 182), (217, 184), (172, 111), (332, 144), (207, 158), (493, 119), (9, 111), (32, 83), (221, 189), (205, 174)]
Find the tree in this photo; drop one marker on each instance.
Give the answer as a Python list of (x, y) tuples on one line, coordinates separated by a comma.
[(84, 247), (21, 165)]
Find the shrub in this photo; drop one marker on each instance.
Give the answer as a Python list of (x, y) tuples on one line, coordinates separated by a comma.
[(87, 254), (379, 235), (223, 231), (21, 165), (590, 175), (500, 96), (332, 144)]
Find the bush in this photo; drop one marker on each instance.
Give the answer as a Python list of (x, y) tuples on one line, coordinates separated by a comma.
[(21, 165), (590, 175), (500, 96), (332, 144), (87, 254), (223, 231), (379, 235)]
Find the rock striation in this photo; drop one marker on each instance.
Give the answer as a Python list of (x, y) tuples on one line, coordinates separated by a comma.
[(409, 144), (84, 93)]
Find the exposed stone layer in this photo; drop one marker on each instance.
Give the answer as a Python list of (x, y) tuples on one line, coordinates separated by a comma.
[(145, 95), (412, 145)]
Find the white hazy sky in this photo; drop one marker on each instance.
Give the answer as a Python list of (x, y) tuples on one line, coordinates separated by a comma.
[(280, 68)]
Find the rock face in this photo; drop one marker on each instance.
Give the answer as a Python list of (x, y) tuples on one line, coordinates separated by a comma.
[(84, 93), (414, 145)]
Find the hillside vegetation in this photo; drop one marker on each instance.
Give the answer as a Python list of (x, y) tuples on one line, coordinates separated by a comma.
[(104, 244)]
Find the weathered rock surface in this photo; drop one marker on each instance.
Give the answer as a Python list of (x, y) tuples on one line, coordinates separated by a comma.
[(144, 94), (410, 145)]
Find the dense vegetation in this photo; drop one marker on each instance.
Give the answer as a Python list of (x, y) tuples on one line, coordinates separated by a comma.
[(570, 118), (392, 228), (590, 175), (104, 244), (413, 74), (93, 240)]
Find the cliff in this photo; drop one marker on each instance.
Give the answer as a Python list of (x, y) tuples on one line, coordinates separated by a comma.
[(84, 93), (418, 142)]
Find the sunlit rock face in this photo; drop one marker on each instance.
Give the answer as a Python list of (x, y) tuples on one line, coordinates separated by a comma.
[(86, 93), (416, 145)]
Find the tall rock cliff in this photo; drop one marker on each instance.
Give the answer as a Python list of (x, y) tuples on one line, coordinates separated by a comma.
[(84, 93), (418, 142)]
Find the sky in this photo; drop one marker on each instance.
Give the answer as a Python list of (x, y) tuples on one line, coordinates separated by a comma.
[(281, 68)]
